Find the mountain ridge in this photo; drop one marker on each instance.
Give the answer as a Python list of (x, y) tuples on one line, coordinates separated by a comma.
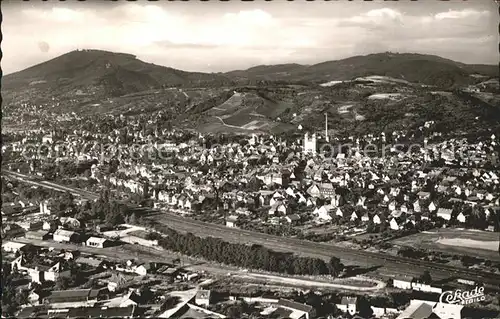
[(341, 69), (391, 91)]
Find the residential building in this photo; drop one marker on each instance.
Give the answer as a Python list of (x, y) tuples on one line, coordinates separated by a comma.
[(461, 217), (402, 282), (293, 218), (348, 305), (203, 297), (97, 242), (302, 310), (100, 312), (65, 236), (444, 213), (231, 221), (73, 297)]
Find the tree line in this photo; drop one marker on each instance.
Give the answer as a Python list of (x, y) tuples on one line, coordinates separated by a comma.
[(247, 256)]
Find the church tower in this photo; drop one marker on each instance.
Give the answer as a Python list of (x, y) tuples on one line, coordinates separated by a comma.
[(309, 146)]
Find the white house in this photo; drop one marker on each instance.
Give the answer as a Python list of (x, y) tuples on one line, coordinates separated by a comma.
[(354, 216), (392, 206), (231, 221), (141, 270), (394, 224), (402, 282), (277, 207), (461, 217), (432, 207), (187, 204), (348, 305), (44, 208), (444, 213), (404, 209), (448, 311), (323, 212), (416, 206), (62, 235), (339, 212), (203, 297), (361, 201), (12, 247), (97, 242), (377, 220)]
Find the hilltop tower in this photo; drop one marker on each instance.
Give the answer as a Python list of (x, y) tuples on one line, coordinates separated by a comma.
[(309, 146)]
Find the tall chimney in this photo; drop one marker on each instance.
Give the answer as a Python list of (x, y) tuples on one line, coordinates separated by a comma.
[(326, 128)]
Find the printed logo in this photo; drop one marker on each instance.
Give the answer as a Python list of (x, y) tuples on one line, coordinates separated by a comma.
[(460, 297)]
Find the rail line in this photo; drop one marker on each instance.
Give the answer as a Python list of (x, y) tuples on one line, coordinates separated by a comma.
[(395, 263)]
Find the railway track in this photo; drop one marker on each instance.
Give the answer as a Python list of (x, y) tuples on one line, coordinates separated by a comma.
[(296, 245), (391, 263)]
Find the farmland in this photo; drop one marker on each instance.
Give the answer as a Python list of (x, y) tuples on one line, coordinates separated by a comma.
[(468, 242)]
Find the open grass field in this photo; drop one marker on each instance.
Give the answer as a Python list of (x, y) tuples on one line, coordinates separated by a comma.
[(474, 243)]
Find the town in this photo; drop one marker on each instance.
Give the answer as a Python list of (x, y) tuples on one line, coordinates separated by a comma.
[(250, 160), (104, 231)]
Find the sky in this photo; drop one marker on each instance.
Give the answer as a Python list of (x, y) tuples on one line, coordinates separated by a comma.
[(219, 36)]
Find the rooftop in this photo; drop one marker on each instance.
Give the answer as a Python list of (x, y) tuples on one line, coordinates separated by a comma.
[(12, 245), (62, 295), (348, 300), (89, 261), (205, 294), (416, 310), (97, 240), (64, 232), (294, 305), (104, 312)]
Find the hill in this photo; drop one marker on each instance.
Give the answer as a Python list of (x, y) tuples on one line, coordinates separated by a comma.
[(105, 74), (372, 93), (419, 68)]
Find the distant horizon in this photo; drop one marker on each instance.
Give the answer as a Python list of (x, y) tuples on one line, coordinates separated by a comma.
[(250, 67), (218, 36)]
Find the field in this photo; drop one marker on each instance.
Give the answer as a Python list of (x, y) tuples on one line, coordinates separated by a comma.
[(474, 243)]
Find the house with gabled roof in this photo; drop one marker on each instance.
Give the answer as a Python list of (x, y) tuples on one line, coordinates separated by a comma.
[(231, 221), (293, 218), (394, 224), (278, 207), (203, 297), (432, 207), (116, 282), (348, 305), (444, 213), (423, 195), (392, 206), (416, 206), (302, 310), (313, 190), (404, 208), (339, 212), (461, 217), (354, 216), (323, 212)]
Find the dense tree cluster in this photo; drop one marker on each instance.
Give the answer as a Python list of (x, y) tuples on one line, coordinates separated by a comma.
[(11, 299), (255, 256)]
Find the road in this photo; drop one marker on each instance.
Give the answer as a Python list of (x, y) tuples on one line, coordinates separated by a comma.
[(228, 125), (383, 262)]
